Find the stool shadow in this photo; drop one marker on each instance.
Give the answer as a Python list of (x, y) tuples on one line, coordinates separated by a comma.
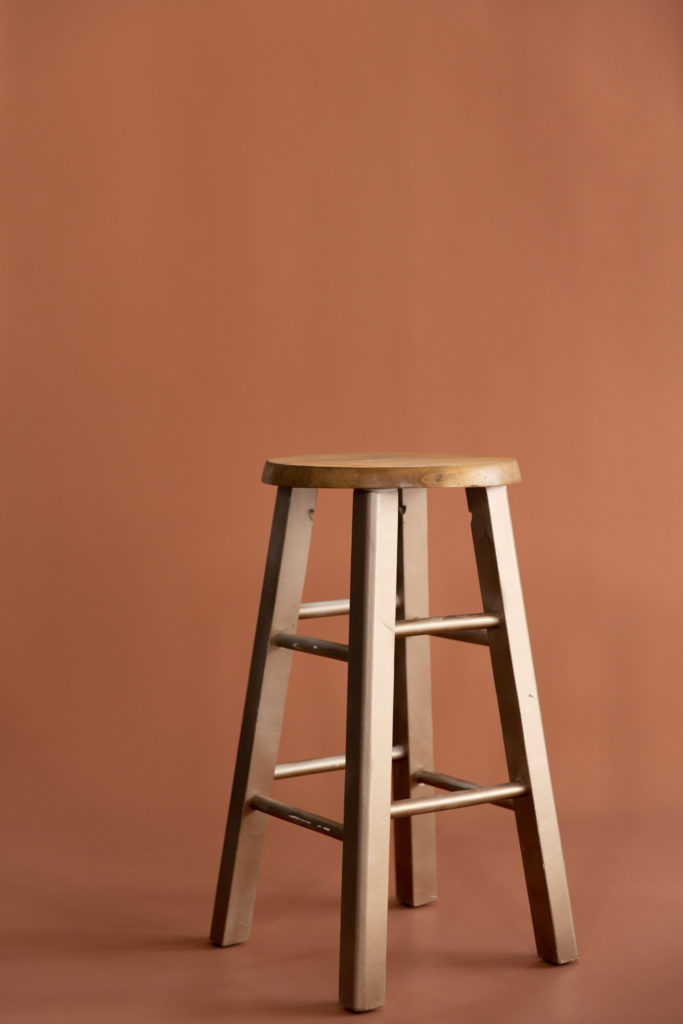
[(259, 1009)]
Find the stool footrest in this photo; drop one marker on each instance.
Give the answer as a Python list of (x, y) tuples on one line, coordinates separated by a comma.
[(442, 781), (322, 609), (311, 645), (464, 798), (314, 822), (399, 808), (470, 628), (325, 609), (314, 765), (445, 624)]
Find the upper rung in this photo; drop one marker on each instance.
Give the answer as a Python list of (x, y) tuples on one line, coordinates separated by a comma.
[(442, 625), (321, 609), (470, 626), (445, 624), (314, 765)]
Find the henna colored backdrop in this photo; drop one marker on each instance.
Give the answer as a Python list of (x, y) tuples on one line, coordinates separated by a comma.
[(241, 229)]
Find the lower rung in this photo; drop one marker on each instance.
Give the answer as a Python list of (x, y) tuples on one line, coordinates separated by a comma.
[(314, 822), (399, 808), (311, 645), (456, 785), (463, 798)]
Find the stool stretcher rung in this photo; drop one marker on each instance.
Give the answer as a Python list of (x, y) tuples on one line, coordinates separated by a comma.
[(311, 645), (469, 636), (450, 782), (321, 609), (445, 624), (465, 798), (305, 819), (314, 765)]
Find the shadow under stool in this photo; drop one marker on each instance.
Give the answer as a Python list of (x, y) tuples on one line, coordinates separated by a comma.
[(389, 720)]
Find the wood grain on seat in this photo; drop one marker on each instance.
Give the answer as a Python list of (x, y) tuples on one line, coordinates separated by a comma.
[(390, 470)]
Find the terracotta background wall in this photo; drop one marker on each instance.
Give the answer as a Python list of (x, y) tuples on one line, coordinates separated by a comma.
[(239, 229)]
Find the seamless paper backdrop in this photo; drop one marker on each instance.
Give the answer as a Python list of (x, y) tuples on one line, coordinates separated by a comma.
[(241, 229)]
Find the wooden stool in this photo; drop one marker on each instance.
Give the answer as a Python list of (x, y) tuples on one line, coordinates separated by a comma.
[(389, 726)]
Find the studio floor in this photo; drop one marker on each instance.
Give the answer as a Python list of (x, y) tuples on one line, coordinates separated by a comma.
[(108, 931)]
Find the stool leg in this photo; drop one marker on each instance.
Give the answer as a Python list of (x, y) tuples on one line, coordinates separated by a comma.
[(414, 837), (263, 712), (367, 795), (525, 750)]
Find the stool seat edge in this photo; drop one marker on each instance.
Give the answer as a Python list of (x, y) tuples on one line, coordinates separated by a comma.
[(375, 471)]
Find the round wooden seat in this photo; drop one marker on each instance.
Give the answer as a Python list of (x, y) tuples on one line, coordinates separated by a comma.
[(390, 470)]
